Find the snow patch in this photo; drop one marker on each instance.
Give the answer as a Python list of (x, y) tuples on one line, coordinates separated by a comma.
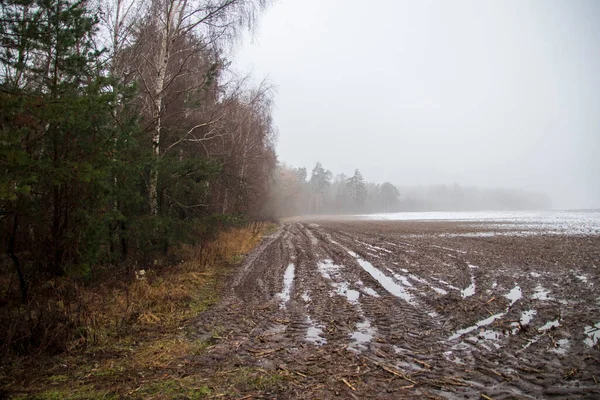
[(592, 333), (514, 295)]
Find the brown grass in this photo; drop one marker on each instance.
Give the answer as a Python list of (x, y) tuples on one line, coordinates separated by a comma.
[(126, 338)]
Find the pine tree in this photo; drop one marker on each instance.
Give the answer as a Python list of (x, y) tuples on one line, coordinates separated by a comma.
[(58, 142)]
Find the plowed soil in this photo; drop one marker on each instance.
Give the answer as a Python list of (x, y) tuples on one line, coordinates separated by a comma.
[(389, 310)]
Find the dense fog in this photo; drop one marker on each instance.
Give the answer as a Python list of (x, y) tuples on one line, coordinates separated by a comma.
[(493, 94)]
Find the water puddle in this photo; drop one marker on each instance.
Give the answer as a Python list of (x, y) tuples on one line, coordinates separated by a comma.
[(371, 292), (385, 281), (327, 268), (400, 278), (447, 284), (469, 290), (477, 325), (363, 334), (288, 279), (514, 295), (592, 333), (314, 332)]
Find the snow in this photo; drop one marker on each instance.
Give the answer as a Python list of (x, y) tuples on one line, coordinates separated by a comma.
[(527, 316), (549, 325), (514, 295), (528, 222), (592, 333), (468, 291)]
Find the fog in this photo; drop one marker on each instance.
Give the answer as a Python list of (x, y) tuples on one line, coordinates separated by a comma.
[(487, 93)]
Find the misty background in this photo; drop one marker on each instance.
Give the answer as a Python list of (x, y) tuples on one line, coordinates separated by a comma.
[(498, 95)]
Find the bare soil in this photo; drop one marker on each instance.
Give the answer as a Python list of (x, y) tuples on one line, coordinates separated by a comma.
[(394, 310)]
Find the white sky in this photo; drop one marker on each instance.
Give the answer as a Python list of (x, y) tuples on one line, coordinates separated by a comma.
[(490, 93)]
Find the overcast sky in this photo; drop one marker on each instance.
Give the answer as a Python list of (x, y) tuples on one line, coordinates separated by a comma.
[(491, 93)]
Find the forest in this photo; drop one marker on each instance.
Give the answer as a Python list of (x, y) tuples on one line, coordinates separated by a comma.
[(122, 131), (124, 135)]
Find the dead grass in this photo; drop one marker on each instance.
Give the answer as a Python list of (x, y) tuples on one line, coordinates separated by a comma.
[(132, 339)]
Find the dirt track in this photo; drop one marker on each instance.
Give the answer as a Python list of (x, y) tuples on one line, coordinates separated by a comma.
[(359, 309)]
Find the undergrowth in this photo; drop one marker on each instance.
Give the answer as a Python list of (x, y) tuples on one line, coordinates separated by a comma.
[(119, 339)]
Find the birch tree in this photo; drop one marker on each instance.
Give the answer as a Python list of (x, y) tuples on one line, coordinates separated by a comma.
[(168, 46)]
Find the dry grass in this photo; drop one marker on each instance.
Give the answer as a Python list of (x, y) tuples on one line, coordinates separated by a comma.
[(131, 337)]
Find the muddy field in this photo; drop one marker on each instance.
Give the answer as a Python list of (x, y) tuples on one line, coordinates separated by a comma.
[(385, 309)]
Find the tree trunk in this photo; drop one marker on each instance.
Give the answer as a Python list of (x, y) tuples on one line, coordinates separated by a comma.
[(10, 251), (163, 59)]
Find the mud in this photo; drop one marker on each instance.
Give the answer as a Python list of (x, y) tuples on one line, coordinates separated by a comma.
[(375, 309)]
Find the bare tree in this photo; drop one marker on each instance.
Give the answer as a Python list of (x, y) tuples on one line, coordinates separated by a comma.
[(168, 46)]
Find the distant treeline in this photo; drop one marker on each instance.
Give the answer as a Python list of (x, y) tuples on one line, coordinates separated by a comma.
[(296, 192)]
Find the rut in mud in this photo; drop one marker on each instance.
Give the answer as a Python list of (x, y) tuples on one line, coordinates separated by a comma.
[(391, 310)]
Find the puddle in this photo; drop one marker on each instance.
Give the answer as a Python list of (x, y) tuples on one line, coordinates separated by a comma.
[(447, 284), (314, 332), (416, 278), (364, 333), (288, 279), (370, 291), (514, 295), (400, 278), (549, 325), (385, 281), (327, 268), (479, 324), (592, 333)]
